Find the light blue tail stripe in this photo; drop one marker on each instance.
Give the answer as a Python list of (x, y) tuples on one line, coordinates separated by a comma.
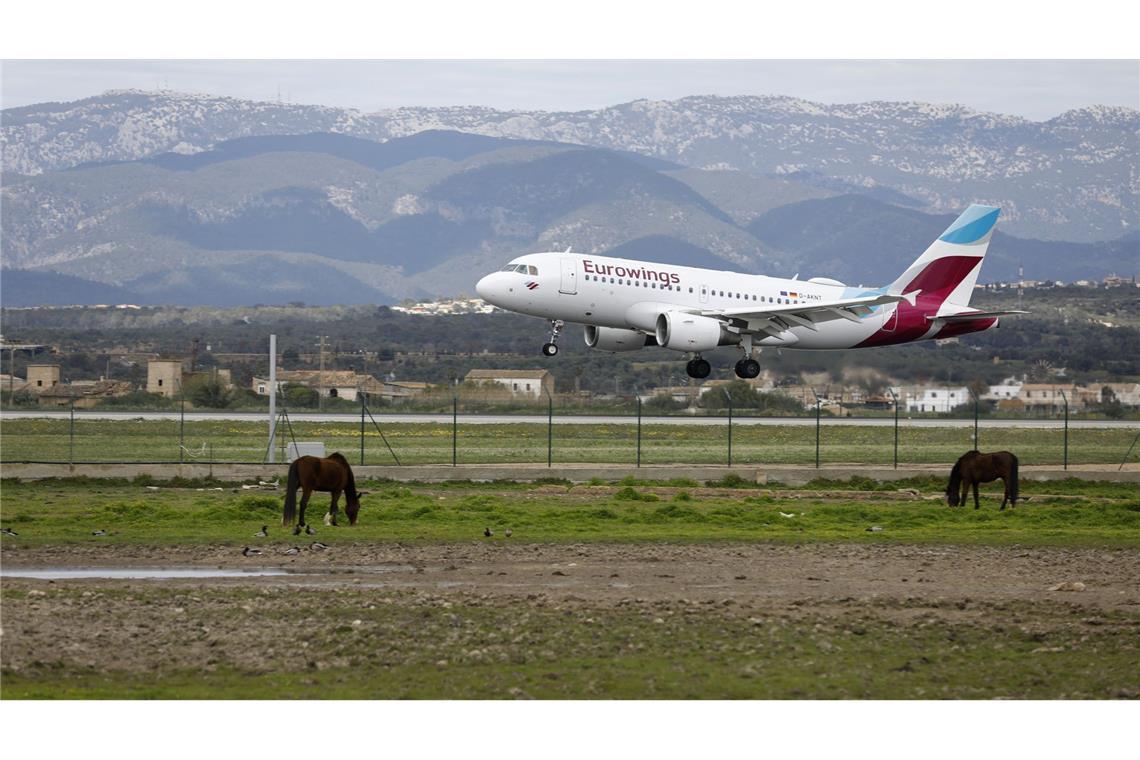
[(972, 225)]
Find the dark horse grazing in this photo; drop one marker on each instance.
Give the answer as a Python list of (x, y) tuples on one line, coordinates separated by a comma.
[(331, 474), (974, 467)]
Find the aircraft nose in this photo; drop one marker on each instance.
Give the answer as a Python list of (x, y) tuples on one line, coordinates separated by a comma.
[(485, 288)]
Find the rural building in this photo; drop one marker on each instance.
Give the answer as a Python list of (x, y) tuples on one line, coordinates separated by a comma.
[(1007, 389), (345, 384), (42, 377), (84, 393), (937, 399), (1049, 398), (164, 377), (527, 382), (1128, 394), (12, 384)]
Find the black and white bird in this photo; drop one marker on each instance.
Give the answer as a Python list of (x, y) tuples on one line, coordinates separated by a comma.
[(99, 532), (247, 552), (317, 546), (8, 532), (508, 532), (309, 531), (262, 533), (488, 532), (292, 550), (875, 529)]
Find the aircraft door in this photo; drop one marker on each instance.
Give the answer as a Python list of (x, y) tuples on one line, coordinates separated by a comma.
[(569, 284), (704, 294)]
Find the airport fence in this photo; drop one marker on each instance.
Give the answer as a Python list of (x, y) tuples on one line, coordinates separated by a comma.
[(470, 435)]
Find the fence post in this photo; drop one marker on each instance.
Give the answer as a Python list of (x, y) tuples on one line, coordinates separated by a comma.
[(361, 429), (181, 424), (728, 398), (71, 437), (977, 443), (1066, 400), (549, 429), (896, 399), (455, 430), (817, 412), (639, 431)]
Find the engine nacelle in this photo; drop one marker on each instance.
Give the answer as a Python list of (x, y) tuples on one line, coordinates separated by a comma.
[(616, 339), (692, 332)]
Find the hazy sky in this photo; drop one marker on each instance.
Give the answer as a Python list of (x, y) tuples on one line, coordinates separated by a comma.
[(1033, 89)]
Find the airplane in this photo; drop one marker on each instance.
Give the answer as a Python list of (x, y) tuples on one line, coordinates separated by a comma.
[(628, 305)]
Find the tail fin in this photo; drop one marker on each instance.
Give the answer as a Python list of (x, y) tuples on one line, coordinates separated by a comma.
[(291, 487), (949, 268)]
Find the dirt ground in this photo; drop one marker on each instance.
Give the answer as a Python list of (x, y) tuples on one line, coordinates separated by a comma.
[(251, 623)]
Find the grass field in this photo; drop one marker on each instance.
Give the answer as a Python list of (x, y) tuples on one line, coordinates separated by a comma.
[(429, 443), (1057, 513)]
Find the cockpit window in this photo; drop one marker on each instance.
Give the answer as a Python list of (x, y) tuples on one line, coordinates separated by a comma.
[(508, 268), (533, 270)]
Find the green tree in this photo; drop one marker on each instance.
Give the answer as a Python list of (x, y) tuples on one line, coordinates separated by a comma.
[(300, 396), (208, 392)]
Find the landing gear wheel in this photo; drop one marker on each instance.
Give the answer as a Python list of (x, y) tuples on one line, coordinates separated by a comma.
[(748, 368), (551, 348), (698, 368)]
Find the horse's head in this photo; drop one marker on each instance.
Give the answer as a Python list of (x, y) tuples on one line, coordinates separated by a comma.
[(352, 505), (953, 498)]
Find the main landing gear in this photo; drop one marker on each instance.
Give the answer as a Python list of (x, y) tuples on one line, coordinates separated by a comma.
[(698, 368), (551, 348), (748, 368)]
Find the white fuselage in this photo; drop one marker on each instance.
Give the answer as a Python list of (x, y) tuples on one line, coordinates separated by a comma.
[(620, 293)]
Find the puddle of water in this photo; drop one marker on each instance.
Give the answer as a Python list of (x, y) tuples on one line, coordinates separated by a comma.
[(135, 573)]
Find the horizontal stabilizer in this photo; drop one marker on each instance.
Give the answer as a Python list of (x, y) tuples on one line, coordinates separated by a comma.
[(971, 315)]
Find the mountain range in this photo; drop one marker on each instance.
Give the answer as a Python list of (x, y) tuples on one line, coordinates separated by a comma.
[(143, 193)]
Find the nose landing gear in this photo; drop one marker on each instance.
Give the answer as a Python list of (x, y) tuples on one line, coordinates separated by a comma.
[(551, 348)]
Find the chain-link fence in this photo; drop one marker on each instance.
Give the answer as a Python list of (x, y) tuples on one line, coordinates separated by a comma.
[(471, 435)]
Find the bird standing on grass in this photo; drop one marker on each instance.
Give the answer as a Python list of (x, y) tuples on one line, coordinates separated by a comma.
[(262, 533), (99, 532), (508, 532), (309, 531), (247, 552), (488, 532), (8, 532)]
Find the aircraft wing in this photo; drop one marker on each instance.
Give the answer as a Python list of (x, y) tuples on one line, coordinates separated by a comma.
[(972, 315), (776, 319)]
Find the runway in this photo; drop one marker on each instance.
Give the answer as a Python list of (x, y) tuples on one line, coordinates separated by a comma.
[(567, 419)]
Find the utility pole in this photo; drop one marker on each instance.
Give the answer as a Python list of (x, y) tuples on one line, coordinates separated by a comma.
[(321, 378)]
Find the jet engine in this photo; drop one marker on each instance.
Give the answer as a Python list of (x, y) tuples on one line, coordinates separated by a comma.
[(616, 339), (692, 332)]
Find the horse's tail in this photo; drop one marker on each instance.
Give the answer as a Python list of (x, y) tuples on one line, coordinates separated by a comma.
[(1013, 477), (291, 486)]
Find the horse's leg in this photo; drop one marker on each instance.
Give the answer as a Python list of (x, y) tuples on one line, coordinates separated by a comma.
[(977, 504), (1005, 493), (332, 508), (306, 492)]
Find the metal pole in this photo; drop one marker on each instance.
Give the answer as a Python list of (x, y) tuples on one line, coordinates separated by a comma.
[(71, 442), (728, 398), (181, 423), (549, 430), (639, 431), (977, 444), (817, 432), (1066, 400), (361, 429), (1129, 452), (896, 398), (272, 399), (455, 430)]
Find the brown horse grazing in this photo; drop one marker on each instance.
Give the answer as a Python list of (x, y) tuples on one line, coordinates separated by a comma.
[(974, 467), (331, 474)]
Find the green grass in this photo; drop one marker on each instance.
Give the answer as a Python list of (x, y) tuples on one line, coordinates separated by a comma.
[(1070, 512), (430, 443)]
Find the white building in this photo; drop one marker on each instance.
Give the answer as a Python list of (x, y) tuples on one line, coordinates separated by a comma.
[(527, 382), (936, 399), (1009, 388)]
